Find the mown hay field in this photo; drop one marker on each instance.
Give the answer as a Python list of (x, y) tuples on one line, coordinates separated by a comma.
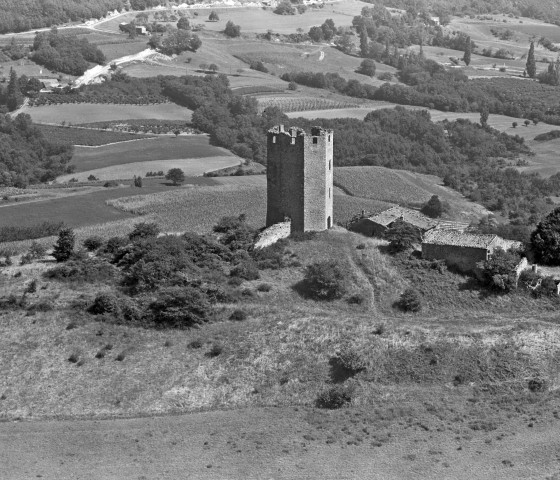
[(190, 166), (89, 112), (146, 150)]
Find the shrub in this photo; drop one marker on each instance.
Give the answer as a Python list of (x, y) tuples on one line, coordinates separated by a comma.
[(74, 357), (351, 360), (356, 299), (106, 303), (41, 306), (32, 287), (89, 270), (402, 236), (216, 350), (264, 287), (93, 243), (271, 257), (144, 230), (196, 344), (433, 207), (10, 302), (333, 398), (246, 270), (238, 315), (410, 301), (113, 244), (36, 250), (497, 270), (180, 307), (385, 76), (111, 183), (325, 280), (64, 246)]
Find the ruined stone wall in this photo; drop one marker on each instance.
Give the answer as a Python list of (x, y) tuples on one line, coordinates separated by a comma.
[(300, 178), (463, 258)]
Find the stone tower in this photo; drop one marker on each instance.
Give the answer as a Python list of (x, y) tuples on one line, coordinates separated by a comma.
[(300, 178)]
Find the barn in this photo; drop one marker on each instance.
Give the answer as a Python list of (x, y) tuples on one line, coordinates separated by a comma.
[(377, 225), (462, 250)]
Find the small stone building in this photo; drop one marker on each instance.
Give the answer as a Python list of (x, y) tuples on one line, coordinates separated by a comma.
[(377, 225), (299, 178), (462, 250)]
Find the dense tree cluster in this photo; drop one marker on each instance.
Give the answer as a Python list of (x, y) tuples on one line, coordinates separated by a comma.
[(176, 41), (20, 15), (26, 156), (232, 120), (65, 53), (332, 81), (545, 10)]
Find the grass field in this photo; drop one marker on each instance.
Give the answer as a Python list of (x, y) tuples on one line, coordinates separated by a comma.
[(90, 137), (404, 188), (87, 113), (190, 166), (147, 150), (282, 58), (253, 20)]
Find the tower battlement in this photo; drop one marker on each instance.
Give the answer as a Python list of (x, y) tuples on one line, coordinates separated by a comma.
[(300, 177)]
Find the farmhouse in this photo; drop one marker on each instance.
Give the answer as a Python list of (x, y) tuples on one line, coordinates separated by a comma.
[(462, 249), (140, 29), (49, 84), (377, 225)]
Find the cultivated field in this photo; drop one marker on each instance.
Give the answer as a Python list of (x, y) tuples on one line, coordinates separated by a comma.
[(404, 188), (147, 150), (87, 113), (191, 167)]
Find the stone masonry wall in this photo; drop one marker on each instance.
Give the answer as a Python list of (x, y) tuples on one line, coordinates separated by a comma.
[(464, 258), (300, 178)]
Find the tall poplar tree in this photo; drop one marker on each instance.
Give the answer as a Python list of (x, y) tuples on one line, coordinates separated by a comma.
[(531, 64), (364, 44), (468, 52)]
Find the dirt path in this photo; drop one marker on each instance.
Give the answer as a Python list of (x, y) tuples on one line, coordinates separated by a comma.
[(260, 444)]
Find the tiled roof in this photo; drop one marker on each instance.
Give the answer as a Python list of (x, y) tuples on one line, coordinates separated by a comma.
[(415, 218), (458, 239), (409, 216)]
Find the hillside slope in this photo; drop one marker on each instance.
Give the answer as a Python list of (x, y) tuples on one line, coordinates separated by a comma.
[(404, 188)]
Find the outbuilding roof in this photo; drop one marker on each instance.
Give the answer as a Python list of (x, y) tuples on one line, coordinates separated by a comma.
[(459, 239), (409, 216)]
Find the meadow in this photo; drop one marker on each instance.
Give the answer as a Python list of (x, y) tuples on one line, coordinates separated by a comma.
[(87, 113), (190, 167), (83, 136), (166, 147)]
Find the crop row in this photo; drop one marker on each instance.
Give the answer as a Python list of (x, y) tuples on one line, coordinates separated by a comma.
[(56, 99), (303, 103)]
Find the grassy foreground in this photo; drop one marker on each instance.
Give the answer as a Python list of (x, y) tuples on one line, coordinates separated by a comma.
[(479, 365)]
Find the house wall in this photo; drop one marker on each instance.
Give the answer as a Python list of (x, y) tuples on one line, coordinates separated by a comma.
[(463, 258), (368, 228)]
